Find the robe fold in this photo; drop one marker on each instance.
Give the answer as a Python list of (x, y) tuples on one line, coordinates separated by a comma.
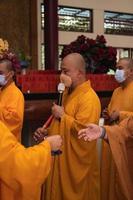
[(121, 143), (125, 114), (75, 173), (22, 170), (12, 109), (122, 101)]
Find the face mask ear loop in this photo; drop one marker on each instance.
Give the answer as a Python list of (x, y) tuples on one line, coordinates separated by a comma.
[(8, 75)]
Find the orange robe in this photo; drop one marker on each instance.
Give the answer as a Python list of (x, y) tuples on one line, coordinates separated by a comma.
[(121, 143), (11, 114), (75, 173), (12, 109), (125, 114), (122, 100), (22, 170)]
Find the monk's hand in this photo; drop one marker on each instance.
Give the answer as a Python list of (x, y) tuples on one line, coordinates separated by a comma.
[(55, 142), (114, 116), (57, 111), (39, 134), (105, 114), (92, 132)]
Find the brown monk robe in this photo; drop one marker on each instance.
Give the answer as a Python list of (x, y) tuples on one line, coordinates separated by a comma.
[(121, 144), (121, 101)]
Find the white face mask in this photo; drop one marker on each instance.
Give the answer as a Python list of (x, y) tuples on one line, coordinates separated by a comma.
[(3, 80), (120, 75)]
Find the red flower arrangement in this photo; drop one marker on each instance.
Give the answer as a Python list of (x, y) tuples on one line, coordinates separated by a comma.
[(99, 57), (6, 54)]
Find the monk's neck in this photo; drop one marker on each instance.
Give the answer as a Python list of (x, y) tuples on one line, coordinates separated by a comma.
[(126, 83), (9, 82), (76, 85)]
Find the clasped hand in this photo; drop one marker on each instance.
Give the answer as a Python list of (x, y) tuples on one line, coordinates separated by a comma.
[(57, 111), (109, 118), (55, 141)]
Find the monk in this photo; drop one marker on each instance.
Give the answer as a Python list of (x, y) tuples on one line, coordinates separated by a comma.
[(11, 98), (75, 174), (11, 103), (122, 98), (23, 170), (121, 102), (119, 138)]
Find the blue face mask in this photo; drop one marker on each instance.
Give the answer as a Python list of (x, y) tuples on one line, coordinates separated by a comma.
[(3, 80), (120, 75)]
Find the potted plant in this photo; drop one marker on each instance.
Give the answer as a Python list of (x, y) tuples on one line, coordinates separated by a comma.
[(25, 61)]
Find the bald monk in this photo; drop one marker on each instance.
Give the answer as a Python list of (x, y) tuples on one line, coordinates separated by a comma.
[(23, 170), (75, 174), (120, 141), (121, 102), (11, 98)]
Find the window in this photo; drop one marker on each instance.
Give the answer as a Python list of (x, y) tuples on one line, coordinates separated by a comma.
[(118, 23), (75, 19), (124, 52), (60, 47), (42, 16), (42, 56), (72, 19)]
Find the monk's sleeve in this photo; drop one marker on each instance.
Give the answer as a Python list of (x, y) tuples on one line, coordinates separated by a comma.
[(111, 103), (12, 111), (125, 114), (23, 170), (87, 111), (117, 137)]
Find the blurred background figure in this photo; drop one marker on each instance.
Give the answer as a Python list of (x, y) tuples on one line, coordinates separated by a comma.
[(121, 102)]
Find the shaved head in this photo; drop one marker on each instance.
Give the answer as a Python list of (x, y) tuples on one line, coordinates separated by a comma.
[(128, 62), (73, 65), (7, 63), (77, 61)]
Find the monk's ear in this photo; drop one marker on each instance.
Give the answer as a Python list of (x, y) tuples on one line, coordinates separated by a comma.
[(12, 73), (81, 73), (131, 72)]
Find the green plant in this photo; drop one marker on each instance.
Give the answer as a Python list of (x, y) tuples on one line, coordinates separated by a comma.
[(25, 60)]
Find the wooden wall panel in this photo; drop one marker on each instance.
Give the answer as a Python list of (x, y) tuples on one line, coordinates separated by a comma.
[(15, 23), (18, 25)]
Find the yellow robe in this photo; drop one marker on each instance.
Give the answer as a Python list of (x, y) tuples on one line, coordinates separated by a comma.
[(11, 114), (22, 170), (122, 100), (12, 109), (75, 173)]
